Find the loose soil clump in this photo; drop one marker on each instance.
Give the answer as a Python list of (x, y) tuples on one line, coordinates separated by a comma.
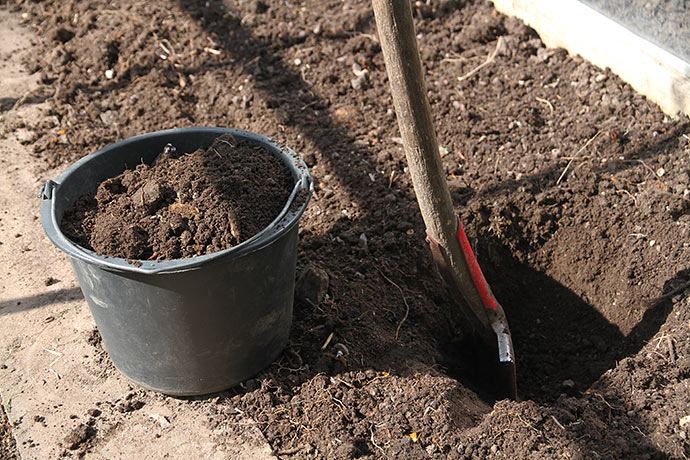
[(183, 204)]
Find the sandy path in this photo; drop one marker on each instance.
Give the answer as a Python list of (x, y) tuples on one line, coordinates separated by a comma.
[(61, 393)]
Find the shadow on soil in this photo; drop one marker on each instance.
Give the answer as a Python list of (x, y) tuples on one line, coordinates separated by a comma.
[(658, 310), (547, 318), (20, 304), (9, 103), (562, 343)]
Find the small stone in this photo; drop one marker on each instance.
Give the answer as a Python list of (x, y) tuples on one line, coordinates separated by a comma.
[(340, 350), (110, 117), (312, 286), (494, 449), (600, 78), (358, 70), (568, 384), (152, 192), (349, 236), (161, 419), (148, 195), (109, 74), (543, 54), (93, 412), (361, 82), (660, 172), (363, 242), (684, 421), (310, 159)]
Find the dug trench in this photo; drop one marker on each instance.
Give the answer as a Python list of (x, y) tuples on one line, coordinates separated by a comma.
[(571, 186)]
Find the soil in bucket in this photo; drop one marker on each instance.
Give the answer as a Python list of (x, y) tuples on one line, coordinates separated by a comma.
[(183, 204)]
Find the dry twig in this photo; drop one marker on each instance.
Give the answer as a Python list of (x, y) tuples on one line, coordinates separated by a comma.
[(629, 194), (26, 96), (328, 340), (656, 301), (558, 423), (56, 374), (374, 442), (671, 351), (648, 168), (575, 156), (455, 58), (545, 101), (291, 451), (407, 306), (489, 59)]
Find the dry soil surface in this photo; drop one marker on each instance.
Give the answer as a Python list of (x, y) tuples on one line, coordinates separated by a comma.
[(574, 190)]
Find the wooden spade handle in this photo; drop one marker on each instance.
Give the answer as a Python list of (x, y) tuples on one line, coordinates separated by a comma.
[(399, 46)]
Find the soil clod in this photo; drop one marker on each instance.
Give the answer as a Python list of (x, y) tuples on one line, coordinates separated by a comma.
[(312, 286), (79, 435)]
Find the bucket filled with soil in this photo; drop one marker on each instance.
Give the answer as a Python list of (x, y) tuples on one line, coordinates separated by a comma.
[(184, 244)]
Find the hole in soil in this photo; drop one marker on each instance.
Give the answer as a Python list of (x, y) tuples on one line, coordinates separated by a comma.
[(562, 343)]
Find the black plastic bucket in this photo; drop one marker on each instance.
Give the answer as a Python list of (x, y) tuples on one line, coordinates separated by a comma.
[(186, 326)]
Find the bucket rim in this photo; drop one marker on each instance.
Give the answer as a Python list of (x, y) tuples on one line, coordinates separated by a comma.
[(284, 222)]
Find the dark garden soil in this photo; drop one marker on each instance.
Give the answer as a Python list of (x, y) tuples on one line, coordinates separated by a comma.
[(184, 204), (574, 189)]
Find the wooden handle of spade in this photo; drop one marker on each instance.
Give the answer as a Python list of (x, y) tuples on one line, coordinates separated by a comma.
[(399, 46)]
